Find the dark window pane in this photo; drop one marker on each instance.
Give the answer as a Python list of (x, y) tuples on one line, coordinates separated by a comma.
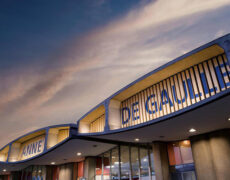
[(98, 165), (189, 175), (106, 160), (98, 169)]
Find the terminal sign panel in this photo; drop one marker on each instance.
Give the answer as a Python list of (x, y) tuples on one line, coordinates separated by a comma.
[(177, 92), (32, 147)]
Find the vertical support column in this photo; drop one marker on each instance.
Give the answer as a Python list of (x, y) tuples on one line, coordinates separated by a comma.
[(220, 146), (106, 104), (202, 156), (46, 139), (211, 153), (8, 154), (161, 163), (89, 168)]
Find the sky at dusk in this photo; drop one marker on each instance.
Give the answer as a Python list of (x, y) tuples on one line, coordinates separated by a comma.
[(59, 59)]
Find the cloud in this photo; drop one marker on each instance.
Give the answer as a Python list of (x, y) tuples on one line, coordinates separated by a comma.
[(92, 67)]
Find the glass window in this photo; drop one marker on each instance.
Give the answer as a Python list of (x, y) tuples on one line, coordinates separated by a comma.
[(174, 154), (135, 163), (106, 162), (34, 172), (29, 172), (186, 152), (181, 160), (125, 164), (144, 159), (98, 168), (180, 153), (152, 163), (115, 164)]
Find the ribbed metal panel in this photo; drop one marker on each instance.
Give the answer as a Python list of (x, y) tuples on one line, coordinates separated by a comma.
[(177, 92), (98, 124)]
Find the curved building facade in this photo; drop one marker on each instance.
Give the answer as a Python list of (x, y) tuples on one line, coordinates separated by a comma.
[(172, 123)]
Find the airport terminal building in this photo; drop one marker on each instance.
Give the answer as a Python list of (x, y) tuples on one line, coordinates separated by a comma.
[(171, 124)]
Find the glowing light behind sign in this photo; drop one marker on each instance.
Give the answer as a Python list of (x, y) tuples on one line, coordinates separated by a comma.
[(32, 147), (177, 92)]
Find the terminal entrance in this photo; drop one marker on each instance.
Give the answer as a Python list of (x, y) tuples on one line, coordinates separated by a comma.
[(126, 163), (123, 162)]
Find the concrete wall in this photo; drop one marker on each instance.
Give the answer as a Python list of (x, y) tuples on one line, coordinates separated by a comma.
[(161, 162), (211, 153)]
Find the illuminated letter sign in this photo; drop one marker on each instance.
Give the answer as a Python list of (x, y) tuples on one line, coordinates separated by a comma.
[(32, 147), (178, 91)]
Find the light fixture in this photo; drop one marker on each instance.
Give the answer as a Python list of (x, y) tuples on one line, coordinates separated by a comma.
[(192, 130), (186, 142), (52, 163), (79, 154), (137, 139), (229, 119), (4, 170)]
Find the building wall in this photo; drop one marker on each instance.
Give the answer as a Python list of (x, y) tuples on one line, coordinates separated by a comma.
[(211, 154)]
